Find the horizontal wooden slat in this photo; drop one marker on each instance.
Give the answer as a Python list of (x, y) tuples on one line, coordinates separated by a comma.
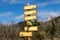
[(29, 7), (30, 12), (25, 34), (32, 28), (30, 18)]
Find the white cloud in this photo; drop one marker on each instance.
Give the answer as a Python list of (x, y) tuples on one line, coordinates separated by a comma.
[(29, 1), (6, 14), (45, 16), (51, 15), (21, 17), (12, 1), (56, 1), (48, 3), (16, 1), (42, 4)]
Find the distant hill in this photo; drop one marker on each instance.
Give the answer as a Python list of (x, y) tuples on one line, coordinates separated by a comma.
[(53, 19), (51, 27)]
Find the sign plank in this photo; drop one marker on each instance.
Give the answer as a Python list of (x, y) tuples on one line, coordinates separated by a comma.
[(29, 22), (32, 28), (31, 12), (25, 34), (30, 7), (30, 18)]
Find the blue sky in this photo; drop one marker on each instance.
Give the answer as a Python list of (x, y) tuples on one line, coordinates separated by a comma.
[(13, 10)]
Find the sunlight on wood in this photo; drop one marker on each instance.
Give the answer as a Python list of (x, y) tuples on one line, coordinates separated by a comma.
[(29, 7), (25, 34)]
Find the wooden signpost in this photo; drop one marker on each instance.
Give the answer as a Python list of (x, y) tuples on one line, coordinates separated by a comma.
[(29, 15)]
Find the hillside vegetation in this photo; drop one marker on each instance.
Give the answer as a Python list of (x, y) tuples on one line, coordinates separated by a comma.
[(46, 30)]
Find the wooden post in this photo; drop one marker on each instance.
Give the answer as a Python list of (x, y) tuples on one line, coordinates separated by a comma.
[(29, 38), (29, 15)]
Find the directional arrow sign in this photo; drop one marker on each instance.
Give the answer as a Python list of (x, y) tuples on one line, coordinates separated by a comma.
[(31, 12), (29, 22), (30, 18), (32, 28), (30, 7), (25, 34)]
